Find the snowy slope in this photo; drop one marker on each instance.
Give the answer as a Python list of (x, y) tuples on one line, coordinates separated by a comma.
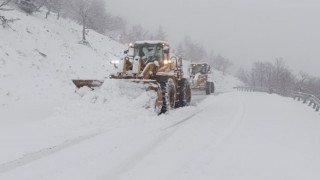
[(224, 82), (39, 59)]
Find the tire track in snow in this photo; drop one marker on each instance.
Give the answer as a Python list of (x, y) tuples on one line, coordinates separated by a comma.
[(148, 148), (237, 119), (165, 133), (190, 116), (34, 156), (184, 119)]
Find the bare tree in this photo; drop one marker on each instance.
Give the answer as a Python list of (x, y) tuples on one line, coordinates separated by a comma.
[(258, 74), (137, 32), (4, 22), (193, 51), (302, 80), (243, 75), (82, 9), (160, 35), (98, 18), (4, 2), (268, 75), (55, 6), (41, 4), (180, 50), (221, 63)]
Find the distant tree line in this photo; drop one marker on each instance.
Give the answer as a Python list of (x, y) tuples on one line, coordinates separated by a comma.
[(278, 76)]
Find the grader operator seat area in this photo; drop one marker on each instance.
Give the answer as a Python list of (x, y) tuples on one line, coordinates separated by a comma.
[(149, 52), (144, 59), (200, 68)]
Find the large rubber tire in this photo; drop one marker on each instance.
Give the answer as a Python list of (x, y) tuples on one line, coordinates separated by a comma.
[(208, 88), (184, 93), (166, 91), (159, 100), (212, 87)]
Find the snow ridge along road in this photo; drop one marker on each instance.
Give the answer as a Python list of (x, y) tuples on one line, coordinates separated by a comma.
[(28, 158)]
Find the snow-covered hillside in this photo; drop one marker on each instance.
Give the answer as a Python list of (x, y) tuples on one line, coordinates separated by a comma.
[(39, 59)]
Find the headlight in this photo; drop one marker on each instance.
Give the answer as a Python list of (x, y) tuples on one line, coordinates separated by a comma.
[(115, 62), (167, 62)]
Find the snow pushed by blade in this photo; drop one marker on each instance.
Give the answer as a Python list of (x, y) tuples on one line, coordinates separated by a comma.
[(121, 93)]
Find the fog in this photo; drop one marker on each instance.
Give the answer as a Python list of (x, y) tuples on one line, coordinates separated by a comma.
[(244, 31)]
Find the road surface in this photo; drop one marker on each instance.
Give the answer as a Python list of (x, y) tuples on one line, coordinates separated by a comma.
[(229, 136)]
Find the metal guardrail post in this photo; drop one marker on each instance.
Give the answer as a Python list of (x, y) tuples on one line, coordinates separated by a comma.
[(305, 101), (311, 102)]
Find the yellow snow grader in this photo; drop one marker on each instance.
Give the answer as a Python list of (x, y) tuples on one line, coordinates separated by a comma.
[(151, 64), (200, 79)]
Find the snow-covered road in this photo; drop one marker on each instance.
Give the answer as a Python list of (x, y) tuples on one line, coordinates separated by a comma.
[(229, 136)]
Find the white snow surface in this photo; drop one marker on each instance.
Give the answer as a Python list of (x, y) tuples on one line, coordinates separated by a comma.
[(49, 130)]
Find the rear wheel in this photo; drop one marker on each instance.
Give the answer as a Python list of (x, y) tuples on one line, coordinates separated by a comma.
[(212, 87), (184, 93), (208, 88), (166, 92), (159, 100)]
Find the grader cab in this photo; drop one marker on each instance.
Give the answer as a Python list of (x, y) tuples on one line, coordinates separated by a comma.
[(200, 79)]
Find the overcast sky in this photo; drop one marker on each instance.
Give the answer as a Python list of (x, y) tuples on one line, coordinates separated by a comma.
[(244, 31)]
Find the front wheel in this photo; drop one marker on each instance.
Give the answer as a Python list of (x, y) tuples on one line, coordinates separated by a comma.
[(212, 87), (166, 96), (184, 93), (159, 100), (208, 88)]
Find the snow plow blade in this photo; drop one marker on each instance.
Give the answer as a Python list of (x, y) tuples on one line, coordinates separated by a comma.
[(91, 83), (147, 83)]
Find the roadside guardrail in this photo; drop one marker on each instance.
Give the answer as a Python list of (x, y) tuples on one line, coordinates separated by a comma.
[(306, 98)]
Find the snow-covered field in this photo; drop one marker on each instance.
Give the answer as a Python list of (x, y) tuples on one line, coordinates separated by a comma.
[(49, 131)]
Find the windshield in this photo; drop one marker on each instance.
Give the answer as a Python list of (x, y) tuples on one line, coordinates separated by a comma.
[(202, 69), (149, 52)]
